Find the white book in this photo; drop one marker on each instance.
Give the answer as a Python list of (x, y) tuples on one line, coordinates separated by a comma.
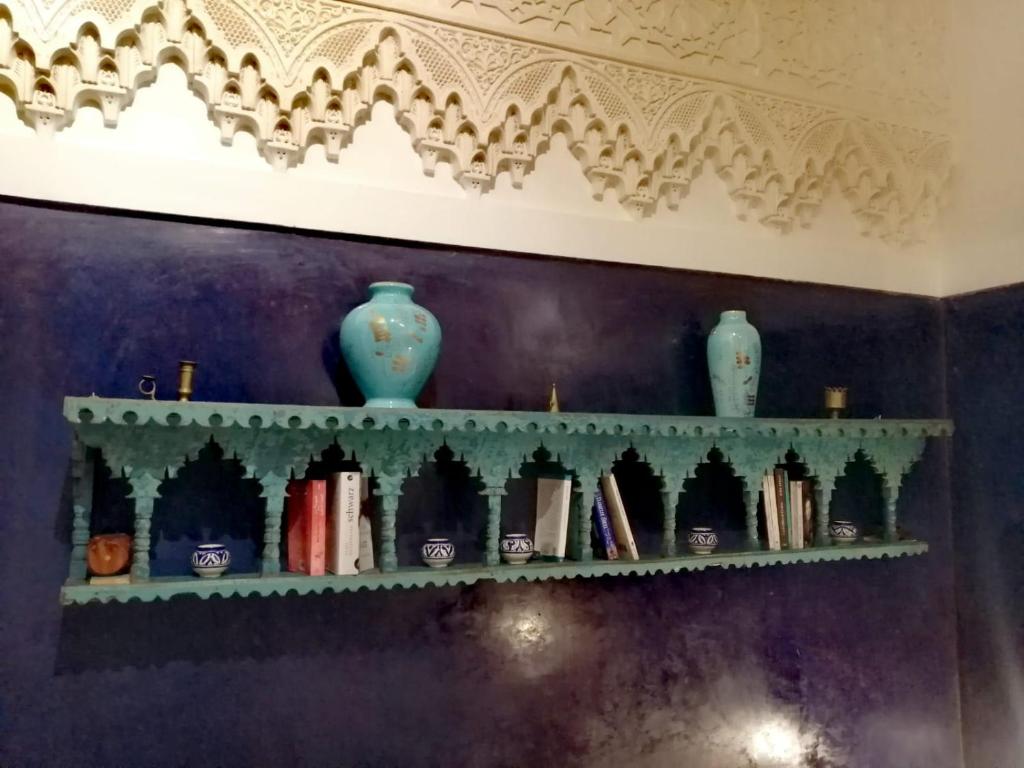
[(796, 517), (366, 562), (620, 523), (343, 524), (771, 513), (552, 529)]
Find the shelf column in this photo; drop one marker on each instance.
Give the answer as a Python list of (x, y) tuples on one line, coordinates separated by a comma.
[(274, 492), (82, 471), (389, 491), (584, 552), (671, 489), (890, 495), (822, 500), (494, 495), (144, 492), (751, 494)]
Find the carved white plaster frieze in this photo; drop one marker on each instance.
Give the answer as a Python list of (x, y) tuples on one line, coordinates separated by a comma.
[(485, 84)]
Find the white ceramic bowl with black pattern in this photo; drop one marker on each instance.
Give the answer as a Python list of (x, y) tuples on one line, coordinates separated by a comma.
[(516, 548), (702, 541), (210, 560), (843, 532), (438, 552)]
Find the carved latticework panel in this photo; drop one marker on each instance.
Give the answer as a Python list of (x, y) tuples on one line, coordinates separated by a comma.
[(784, 100)]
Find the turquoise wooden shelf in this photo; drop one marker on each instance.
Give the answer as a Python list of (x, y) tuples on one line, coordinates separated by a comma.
[(147, 442)]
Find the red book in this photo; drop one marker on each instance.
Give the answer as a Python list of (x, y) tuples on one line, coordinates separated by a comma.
[(315, 525), (296, 522)]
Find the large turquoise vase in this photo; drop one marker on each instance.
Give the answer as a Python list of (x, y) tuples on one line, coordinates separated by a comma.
[(390, 346), (734, 362)]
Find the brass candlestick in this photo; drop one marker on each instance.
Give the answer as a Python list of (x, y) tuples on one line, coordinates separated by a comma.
[(835, 401), (186, 373)]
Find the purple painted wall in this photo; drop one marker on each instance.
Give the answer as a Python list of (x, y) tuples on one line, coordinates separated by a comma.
[(986, 357), (858, 660)]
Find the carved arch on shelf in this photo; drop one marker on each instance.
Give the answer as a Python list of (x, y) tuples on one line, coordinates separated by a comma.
[(642, 134)]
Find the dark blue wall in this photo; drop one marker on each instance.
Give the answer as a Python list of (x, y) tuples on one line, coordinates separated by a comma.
[(681, 670), (986, 364)]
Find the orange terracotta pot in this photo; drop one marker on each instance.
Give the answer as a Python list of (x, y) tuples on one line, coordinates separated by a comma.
[(109, 553)]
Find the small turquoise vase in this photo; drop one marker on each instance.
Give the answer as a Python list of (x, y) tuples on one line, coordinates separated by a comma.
[(734, 362), (390, 345)]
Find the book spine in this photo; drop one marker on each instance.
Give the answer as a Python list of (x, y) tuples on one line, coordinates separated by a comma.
[(780, 507), (316, 522), (343, 524), (567, 506), (296, 521), (788, 506), (551, 529), (771, 518), (796, 513), (620, 521), (808, 512), (366, 557), (604, 526)]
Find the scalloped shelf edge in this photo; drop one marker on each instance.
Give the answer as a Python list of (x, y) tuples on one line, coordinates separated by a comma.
[(123, 412), (254, 585)]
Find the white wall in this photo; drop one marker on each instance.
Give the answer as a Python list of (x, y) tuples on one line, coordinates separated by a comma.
[(165, 156), (984, 224)]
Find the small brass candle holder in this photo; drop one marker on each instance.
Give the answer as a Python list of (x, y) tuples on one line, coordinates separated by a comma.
[(835, 401), (186, 373)]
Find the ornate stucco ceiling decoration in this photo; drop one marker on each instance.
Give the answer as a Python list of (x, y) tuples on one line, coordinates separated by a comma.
[(783, 98)]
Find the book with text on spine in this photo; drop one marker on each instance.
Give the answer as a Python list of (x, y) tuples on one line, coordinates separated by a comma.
[(620, 523), (603, 526), (781, 510), (342, 549)]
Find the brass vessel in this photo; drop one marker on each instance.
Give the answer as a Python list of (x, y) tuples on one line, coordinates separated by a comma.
[(186, 374), (835, 401)]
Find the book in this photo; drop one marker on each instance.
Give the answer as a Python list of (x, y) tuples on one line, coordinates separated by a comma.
[(808, 512), (552, 528), (315, 514), (620, 523), (787, 490), (296, 532), (307, 526), (603, 526), (796, 514), (366, 562), (771, 517), (342, 546), (779, 476)]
